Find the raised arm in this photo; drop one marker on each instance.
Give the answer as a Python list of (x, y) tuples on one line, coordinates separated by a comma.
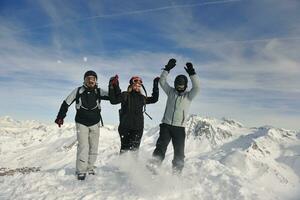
[(114, 93), (104, 94), (155, 92), (195, 81), (163, 77)]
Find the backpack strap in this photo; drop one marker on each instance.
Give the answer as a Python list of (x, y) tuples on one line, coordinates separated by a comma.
[(77, 95), (98, 94), (101, 120), (99, 99)]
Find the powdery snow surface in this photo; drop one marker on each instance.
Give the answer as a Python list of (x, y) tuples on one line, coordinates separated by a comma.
[(224, 160)]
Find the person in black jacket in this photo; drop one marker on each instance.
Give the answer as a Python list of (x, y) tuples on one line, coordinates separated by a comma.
[(133, 104), (88, 117)]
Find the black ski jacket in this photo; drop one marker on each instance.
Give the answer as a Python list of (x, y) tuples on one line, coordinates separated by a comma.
[(88, 110), (132, 106)]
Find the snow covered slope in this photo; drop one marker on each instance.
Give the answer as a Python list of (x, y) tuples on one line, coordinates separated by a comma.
[(224, 160)]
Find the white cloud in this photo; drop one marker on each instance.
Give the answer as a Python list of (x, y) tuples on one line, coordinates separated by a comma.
[(41, 76), (40, 81)]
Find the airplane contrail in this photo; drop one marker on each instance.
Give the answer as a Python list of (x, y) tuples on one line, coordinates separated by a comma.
[(128, 13), (161, 8), (228, 42)]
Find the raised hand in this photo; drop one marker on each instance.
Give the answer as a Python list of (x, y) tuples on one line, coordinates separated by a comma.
[(114, 80), (189, 69), (171, 64)]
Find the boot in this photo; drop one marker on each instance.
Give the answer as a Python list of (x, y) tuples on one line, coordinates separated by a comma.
[(91, 172), (176, 171), (81, 176), (153, 164)]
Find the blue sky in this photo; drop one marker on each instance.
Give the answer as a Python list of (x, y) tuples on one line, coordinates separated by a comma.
[(246, 53)]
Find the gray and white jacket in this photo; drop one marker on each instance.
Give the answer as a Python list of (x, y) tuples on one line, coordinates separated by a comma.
[(178, 104)]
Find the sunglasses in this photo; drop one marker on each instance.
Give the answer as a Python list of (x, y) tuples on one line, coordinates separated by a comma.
[(90, 78)]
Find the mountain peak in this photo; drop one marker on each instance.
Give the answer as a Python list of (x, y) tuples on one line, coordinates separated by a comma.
[(8, 121)]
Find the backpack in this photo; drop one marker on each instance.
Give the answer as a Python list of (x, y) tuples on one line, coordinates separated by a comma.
[(97, 90)]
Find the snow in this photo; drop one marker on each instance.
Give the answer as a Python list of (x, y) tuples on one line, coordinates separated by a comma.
[(224, 160)]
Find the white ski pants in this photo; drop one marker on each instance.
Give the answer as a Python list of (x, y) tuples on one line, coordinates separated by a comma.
[(87, 149)]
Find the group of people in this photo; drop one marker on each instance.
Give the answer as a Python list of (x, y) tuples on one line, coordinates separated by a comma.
[(131, 115)]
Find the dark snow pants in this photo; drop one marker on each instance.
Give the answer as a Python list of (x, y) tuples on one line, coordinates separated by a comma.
[(177, 135), (130, 139)]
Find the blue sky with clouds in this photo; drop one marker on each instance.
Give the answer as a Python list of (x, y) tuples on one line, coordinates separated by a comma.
[(246, 53)]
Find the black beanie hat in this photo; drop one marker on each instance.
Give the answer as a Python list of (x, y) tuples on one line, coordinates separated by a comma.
[(90, 73), (181, 80)]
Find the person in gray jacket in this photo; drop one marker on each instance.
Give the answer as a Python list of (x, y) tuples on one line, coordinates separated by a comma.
[(176, 111), (88, 118)]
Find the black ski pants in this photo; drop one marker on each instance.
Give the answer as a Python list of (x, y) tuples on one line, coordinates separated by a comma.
[(130, 139), (177, 135)]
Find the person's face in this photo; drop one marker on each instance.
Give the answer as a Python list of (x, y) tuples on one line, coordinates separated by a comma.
[(180, 88), (136, 84), (136, 87), (90, 81)]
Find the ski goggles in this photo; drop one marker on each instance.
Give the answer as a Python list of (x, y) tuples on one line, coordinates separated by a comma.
[(180, 87), (136, 80)]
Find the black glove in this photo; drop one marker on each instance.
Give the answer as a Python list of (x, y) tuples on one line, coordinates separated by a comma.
[(59, 121), (190, 69), (114, 81), (155, 82), (171, 64)]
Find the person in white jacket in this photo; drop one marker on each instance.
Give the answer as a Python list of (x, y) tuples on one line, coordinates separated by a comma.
[(176, 111)]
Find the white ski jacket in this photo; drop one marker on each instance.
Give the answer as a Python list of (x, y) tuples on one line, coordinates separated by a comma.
[(178, 104)]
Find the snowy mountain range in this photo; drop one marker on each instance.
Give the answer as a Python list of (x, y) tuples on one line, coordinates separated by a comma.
[(224, 160)]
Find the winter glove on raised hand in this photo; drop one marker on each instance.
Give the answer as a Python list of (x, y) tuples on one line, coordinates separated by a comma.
[(59, 122), (190, 69), (171, 64), (155, 82), (114, 81)]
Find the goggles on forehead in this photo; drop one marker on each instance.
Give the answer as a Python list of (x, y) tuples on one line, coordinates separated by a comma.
[(135, 80)]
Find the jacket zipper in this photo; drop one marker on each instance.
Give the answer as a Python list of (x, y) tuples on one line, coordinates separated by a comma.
[(174, 110)]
